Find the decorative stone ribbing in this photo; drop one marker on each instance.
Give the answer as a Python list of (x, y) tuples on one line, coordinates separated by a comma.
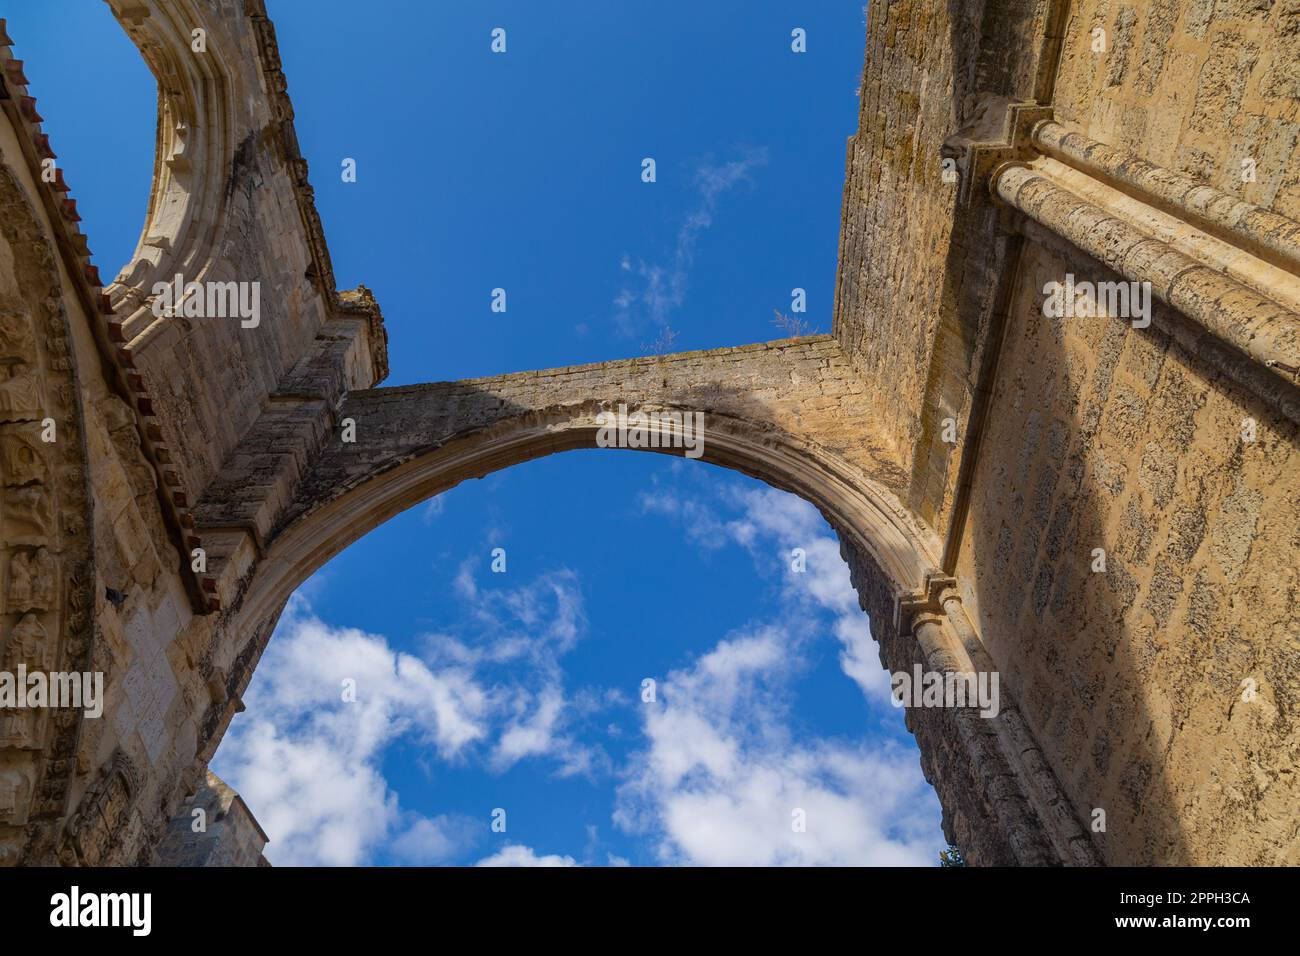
[(1265, 233), (1258, 327)]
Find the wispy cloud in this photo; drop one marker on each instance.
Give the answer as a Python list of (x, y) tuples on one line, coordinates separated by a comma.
[(432, 509), (519, 636), (771, 524), (652, 291), (428, 841)]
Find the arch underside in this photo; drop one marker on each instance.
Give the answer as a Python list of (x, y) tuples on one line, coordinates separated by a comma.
[(317, 528), (414, 442)]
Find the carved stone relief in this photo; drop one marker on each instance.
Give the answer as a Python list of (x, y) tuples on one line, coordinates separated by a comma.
[(46, 573), (96, 829), (21, 459)]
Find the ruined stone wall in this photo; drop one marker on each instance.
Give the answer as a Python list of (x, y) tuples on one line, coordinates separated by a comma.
[(140, 740), (1101, 435), (969, 820), (213, 827), (1173, 451), (107, 585), (896, 222), (918, 274)]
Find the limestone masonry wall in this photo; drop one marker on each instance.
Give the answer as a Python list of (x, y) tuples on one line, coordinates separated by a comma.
[(230, 202), (1196, 86), (1106, 436)]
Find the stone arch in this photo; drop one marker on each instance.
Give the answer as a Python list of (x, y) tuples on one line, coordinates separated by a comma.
[(788, 413)]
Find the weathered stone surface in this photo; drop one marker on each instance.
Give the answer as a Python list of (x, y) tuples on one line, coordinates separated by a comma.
[(213, 828)]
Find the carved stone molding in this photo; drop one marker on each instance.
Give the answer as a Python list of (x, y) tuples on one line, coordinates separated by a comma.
[(46, 569), (926, 599)]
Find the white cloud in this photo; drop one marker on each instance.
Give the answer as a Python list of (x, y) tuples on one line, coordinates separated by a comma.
[(520, 636), (537, 622), (532, 731), (723, 774), (517, 855), (700, 522), (319, 807), (770, 524), (308, 763), (432, 509), (662, 288), (723, 777)]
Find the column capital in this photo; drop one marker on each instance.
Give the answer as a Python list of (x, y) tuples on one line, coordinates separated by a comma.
[(999, 132), (927, 599)]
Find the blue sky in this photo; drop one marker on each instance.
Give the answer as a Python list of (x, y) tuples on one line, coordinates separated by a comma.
[(523, 690)]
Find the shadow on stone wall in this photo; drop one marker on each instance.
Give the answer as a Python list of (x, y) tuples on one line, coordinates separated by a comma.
[(1105, 436)]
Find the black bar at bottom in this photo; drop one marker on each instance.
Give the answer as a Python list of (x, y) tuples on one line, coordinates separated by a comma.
[(940, 907)]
